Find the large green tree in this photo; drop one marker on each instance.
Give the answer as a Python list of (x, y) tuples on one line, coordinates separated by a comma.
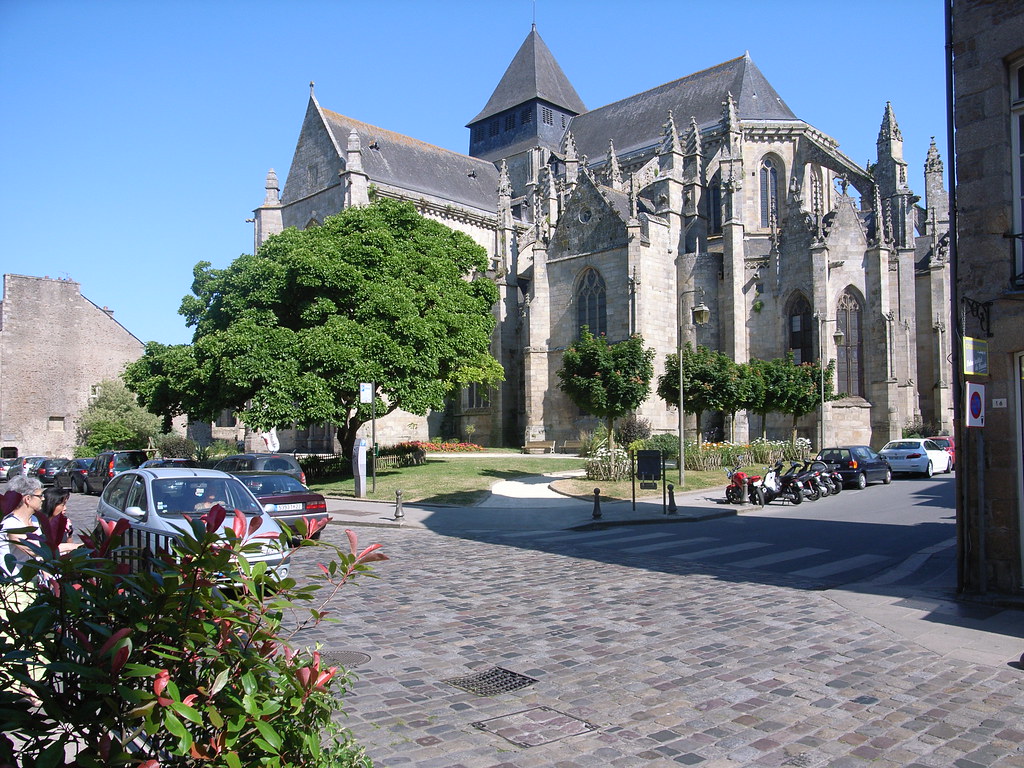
[(375, 294), (607, 380), (114, 420), (782, 386), (711, 382)]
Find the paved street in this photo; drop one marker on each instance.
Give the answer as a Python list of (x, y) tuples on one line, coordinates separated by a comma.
[(621, 656), (643, 662)]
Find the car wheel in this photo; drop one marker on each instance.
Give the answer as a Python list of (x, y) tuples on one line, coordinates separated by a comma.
[(929, 470), (888, 477), (861, 482), (949, 466), (77, 486)]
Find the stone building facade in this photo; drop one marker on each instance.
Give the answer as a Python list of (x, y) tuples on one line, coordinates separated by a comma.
[(622, 218), (988, 93), (44, 387)]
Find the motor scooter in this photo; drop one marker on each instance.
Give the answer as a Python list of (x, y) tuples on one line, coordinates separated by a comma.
[(811, 489), (776, 485)]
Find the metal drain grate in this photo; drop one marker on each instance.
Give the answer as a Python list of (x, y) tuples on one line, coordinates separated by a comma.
[(491, 682), (346, 659), (533, 727)]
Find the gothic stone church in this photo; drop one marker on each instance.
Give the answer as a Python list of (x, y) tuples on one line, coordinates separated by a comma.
[(707, 189)]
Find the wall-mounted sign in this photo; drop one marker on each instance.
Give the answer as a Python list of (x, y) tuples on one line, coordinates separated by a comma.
[(975, 405), (975, 357)]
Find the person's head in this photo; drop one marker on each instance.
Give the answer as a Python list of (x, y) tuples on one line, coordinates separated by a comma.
[(31, 491), (54, 500)]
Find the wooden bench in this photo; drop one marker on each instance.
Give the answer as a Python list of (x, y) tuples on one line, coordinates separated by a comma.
[(571, 446), (539, 446)]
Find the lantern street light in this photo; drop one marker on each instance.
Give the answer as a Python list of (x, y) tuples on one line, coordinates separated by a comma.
[(699, 315), (838, 338)]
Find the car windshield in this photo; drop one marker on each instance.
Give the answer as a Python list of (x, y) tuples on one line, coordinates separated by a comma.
[(833, 455), (902, 445), (269, 485), (128, 460), (175, 497), (941, 442)]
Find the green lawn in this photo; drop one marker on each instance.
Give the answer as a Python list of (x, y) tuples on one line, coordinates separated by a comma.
[(465, 480)]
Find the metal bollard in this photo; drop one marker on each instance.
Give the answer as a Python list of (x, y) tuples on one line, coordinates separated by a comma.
[(597, 504), (672, 508), (399, 512)]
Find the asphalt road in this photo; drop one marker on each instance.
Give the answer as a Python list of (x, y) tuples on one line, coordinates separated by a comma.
[(903, 533)]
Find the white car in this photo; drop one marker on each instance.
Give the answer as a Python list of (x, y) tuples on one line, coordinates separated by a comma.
[(916, 455), (156, 503)]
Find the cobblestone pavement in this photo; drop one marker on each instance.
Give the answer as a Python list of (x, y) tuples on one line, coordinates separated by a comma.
[(643, 662)]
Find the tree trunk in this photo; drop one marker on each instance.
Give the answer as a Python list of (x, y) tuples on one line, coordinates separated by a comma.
[(347, 436)]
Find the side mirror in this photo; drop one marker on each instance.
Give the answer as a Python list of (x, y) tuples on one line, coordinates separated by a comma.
[(135, 512)]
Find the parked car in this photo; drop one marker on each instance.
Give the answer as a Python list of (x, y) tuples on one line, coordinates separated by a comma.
[(857, 464), (24, 465), (916, 455), (108, 464), (71, 476), (6, 467), (169, 464), (47, 470), (284, 498), (946, 443), (262, 462), (156, 503)]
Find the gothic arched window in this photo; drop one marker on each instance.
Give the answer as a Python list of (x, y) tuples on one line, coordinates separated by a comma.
[(591, 309), (715, 206), (801, 330), (769, 192), (850, 354)]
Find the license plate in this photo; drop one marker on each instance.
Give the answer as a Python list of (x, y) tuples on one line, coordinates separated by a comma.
[(290, 507)]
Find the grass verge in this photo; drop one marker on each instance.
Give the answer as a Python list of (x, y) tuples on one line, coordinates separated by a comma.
[(466, 480)]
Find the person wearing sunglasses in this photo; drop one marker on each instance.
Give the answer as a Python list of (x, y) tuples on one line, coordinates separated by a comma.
[(21, 522)]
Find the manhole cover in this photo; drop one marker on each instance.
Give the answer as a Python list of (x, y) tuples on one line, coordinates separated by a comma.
[(533, 727), (347, 659), (491, 682)]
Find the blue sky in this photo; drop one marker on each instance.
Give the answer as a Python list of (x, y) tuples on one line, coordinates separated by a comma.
[(137, 135)]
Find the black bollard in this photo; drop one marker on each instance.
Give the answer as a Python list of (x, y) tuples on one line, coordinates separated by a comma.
[(672, 508), (597, 504), (399, 512)]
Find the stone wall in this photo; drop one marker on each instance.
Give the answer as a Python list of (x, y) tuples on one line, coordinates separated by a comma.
[(988, 45), (55, 345)]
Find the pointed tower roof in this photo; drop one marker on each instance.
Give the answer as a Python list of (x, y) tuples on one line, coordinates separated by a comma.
[(533, 74)]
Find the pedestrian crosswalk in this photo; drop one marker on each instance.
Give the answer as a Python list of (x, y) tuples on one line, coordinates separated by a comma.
[(812, 563)]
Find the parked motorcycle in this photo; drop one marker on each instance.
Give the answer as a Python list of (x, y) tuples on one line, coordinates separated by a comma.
[(776, 485), (743, 487)]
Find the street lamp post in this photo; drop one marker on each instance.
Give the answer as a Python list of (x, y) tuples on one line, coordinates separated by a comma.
[(699, 315), (837, 337)]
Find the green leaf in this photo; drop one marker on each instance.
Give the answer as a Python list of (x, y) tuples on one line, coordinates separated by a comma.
[(173, 725), (231, 758), (219, 682), (187, 712), (268, 733)]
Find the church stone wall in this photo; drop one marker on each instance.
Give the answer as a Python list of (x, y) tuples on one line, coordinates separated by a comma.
[(43, 392)]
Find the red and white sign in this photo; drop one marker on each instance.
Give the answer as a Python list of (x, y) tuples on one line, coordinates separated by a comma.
[(975, 405)]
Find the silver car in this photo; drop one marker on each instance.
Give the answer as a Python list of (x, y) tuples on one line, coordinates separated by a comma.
[(156, 503)]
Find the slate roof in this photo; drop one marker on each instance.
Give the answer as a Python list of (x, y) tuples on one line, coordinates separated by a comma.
[(404, 162), (636, 122), (533, 74)]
